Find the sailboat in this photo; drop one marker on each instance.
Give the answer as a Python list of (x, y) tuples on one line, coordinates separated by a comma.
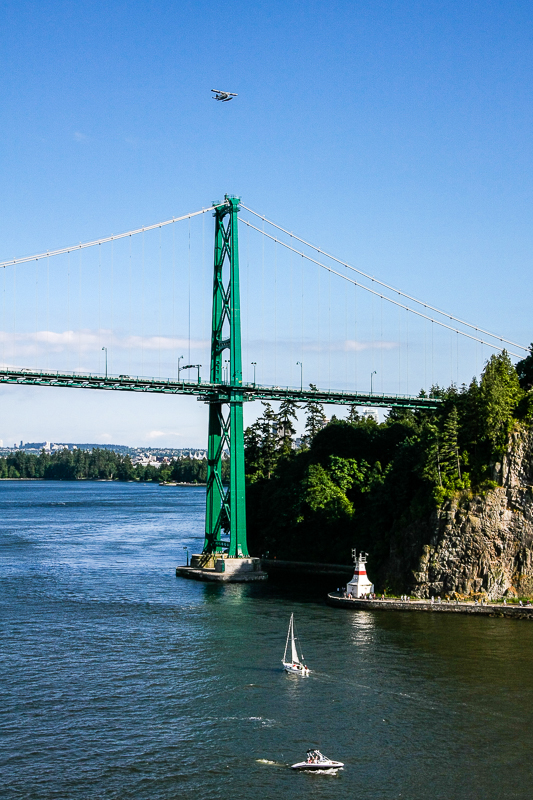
[(295, 665)]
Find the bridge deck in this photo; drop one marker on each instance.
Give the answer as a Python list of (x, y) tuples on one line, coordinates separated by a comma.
[(210, 391)]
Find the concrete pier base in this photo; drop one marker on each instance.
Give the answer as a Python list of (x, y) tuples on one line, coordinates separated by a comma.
[(222, 569)]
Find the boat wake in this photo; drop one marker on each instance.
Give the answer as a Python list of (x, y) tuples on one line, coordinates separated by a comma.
[(270, 763), (331, 771)]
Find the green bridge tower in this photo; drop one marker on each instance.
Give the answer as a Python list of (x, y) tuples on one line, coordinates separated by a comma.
[(226, 507)]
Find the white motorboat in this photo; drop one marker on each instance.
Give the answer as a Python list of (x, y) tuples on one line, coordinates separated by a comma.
[(295, 665), (315, 761)]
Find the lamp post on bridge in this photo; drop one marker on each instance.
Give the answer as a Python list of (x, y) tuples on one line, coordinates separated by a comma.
[(301, 374), (105, 348), (179, 368), (371, 377), (254, 365)]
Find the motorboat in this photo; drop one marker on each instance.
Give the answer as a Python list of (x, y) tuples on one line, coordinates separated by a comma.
[(315, 761), (295, 664)]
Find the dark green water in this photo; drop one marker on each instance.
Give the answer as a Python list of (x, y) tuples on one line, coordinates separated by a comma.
[(118, 680)]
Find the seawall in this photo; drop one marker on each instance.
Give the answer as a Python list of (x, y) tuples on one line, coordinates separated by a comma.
[(451, 607)]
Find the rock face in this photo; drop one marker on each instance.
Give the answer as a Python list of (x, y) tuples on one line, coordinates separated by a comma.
[(480, 544)]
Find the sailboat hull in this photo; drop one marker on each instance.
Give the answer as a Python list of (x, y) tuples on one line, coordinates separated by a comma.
[(296, 669)]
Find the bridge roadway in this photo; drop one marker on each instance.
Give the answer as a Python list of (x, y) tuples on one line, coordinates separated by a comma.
[(211, 392)]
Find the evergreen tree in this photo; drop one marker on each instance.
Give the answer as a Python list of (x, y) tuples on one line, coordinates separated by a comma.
[(315, 418), (354, 418), (500, 392), (286, 430), (524, 370), (451, 463)]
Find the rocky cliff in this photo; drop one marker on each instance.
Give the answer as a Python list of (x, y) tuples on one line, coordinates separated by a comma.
[(480, 544)]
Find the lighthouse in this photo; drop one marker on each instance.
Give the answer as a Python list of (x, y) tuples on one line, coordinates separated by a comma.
[(360, 584)]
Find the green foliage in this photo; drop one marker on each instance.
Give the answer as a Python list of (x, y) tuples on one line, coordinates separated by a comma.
[(500, 393), (315, 418), (361, 483), (73, 465), (524, 370)]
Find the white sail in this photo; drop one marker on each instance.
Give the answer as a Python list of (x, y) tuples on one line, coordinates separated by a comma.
[(294, 652)]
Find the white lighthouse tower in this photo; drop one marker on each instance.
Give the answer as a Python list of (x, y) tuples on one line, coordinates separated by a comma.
[(359, 585)]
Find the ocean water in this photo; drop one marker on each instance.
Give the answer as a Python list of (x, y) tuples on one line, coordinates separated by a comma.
[(119, 680)]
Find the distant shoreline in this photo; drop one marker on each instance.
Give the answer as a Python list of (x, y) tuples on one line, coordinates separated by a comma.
[(95, 480)]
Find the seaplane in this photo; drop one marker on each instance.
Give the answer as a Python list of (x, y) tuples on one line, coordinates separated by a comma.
[(224, 96)]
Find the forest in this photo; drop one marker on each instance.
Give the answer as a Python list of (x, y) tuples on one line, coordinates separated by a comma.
[(74, 465), (355, 482)]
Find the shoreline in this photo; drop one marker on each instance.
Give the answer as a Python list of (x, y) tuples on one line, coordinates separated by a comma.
[(97, 480), (452, 607)]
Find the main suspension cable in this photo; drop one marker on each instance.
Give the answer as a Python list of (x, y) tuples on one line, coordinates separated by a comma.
[(383, 296), (83, 245), (381, 283)]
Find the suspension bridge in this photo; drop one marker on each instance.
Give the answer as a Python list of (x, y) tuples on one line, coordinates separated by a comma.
[(225, 392)]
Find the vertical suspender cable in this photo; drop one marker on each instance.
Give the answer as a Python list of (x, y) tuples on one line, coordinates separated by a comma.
[(373, 343), (36, 298), (346, 340), (68, 314), (329, 330), (457, 357), (356, 343), (203, 275), (399, 351), (263, 304), (319, 354), (111, 298), (174, 289), (247, 246), (47, 310), (275, 311), (142, 308), (14, 313), (432, 353), (4, 319), (189, 269), (99, 305), (407, 350), (79, 310), (291, 318), (381, 343), (129, 311), (159, 307), (302, 314)]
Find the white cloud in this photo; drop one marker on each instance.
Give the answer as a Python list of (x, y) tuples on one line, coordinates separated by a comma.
[(352, 345), (35, 344), (349, 345), (158, 434)]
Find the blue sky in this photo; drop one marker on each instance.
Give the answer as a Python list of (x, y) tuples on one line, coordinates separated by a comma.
[(397, 135)]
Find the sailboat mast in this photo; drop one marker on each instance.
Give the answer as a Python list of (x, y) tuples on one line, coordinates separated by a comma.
[(289, 633), (294, 651)]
